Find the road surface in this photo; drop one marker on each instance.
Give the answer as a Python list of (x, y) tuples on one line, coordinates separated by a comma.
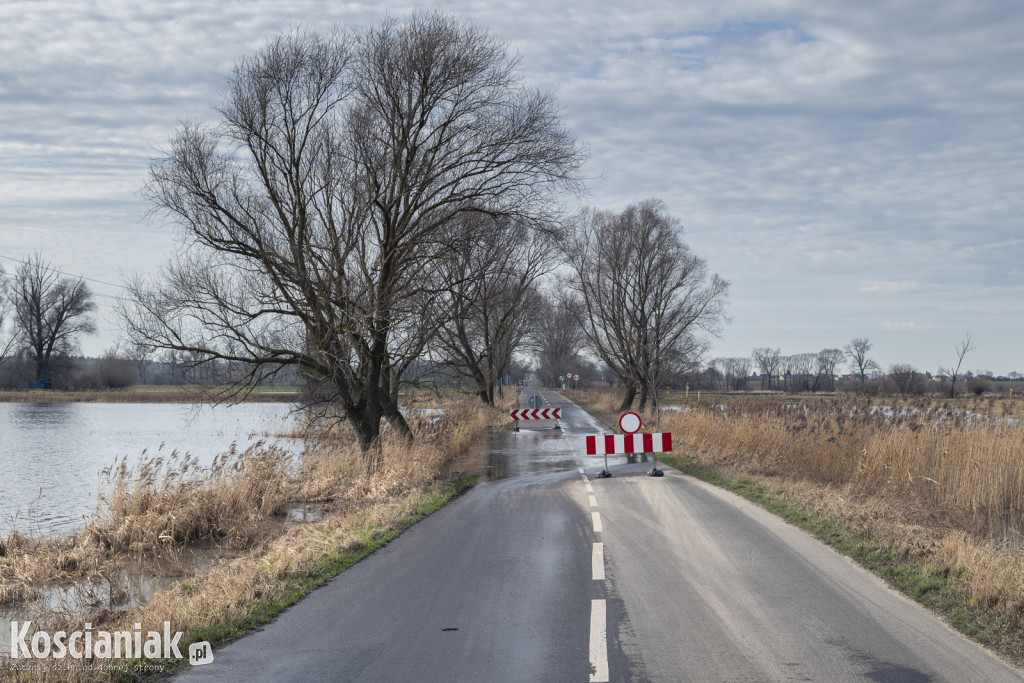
[(547, 574)]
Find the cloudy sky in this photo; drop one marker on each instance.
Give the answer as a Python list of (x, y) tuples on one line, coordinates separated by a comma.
[(854, 169)]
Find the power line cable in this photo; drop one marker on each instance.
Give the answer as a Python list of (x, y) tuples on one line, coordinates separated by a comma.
[(61, 272)]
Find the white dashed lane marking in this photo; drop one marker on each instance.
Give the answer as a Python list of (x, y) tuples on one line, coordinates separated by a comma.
[(598, 642)]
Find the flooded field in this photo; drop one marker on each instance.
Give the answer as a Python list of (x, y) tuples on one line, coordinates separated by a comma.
[(51, 454)]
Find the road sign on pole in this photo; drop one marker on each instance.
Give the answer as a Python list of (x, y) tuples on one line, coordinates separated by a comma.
[(629, 442), (630, 423)]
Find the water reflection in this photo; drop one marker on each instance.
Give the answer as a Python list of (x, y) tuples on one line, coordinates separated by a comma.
[(506, 454), (51, 453), (509, 454)]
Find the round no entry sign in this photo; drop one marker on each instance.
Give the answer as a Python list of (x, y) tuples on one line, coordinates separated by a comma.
[(629, 423)]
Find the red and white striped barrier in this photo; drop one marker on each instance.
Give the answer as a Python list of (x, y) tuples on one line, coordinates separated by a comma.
[(610, 444), (536, 414)]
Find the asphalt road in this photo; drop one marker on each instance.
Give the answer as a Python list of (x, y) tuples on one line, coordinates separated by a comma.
[(549, 574)]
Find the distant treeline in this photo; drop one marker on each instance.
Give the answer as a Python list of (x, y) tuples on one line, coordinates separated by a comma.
[(118, 369)]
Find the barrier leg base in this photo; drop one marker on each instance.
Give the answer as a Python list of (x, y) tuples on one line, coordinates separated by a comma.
[(603, 474), (655, 472)]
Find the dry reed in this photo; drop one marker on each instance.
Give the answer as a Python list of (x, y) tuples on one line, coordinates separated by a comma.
[(942, 459), (162, 501)]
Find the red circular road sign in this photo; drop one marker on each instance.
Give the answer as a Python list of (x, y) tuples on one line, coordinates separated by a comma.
[(630, 423), (576, 378)]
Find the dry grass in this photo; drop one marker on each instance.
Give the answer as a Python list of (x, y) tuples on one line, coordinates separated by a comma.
[(161, 502), (939, 459), (159, 505), (923, 478)]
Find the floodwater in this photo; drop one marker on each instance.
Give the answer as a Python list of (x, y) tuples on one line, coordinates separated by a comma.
[(505, 454), (51, 454)]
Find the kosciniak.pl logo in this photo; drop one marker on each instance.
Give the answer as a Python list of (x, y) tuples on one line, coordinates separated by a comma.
[(99, 644)]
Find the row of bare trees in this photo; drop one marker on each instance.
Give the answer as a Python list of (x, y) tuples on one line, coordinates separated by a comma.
[(797, 372), (357, 203), (371, 199), (818, 371)]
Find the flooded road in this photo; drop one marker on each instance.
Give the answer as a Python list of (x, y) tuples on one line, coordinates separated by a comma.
[(539, 446)]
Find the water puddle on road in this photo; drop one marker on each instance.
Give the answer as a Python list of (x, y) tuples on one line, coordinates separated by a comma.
[(507, 454)]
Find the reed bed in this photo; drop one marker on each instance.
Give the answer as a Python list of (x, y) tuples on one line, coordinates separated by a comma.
[(160, 502), (958, 463)]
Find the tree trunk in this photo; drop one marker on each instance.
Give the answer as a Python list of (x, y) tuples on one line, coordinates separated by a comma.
[(627, 400), (397, 420), (367, 430), (643, 398)]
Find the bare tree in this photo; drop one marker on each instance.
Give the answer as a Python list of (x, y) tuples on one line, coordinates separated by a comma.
[(828, 360), (318, 208), (734, 372), (557, 340), (50, 312), (491, 301), (857, 352), (645, 301), (142, 356), (738, 370), (801, 372), (767, 361), (906, 379), (962, 348), (7, 338)]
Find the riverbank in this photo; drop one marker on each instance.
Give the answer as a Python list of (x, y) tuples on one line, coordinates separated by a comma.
[(241, 503), (930, 501)]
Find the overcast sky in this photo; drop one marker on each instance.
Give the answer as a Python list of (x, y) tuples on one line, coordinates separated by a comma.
[(854, 169)]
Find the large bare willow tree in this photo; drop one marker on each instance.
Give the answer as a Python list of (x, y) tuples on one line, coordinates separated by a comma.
[(645, 301), (314, 214)]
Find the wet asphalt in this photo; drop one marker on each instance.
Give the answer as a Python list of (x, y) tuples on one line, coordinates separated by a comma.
[(545, 573)]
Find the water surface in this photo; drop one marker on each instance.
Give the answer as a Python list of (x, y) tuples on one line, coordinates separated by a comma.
[(51, 454)]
